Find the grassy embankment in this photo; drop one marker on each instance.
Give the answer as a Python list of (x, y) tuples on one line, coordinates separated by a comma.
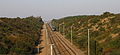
[(104, 32), (18, 35)]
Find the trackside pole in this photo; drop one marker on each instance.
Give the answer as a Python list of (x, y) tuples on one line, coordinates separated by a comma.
[(71, 35), (88, 43), (51, 46), (38, 50), (59, 27), (63, 29)]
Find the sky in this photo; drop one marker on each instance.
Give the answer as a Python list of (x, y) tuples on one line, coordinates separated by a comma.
[(54, 9)]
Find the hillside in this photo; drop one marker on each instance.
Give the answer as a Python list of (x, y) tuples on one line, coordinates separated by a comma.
[(104, 32), (18, 35)]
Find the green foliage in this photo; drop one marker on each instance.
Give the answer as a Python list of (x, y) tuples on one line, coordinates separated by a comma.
[(18, 35), (116, 30), (95, 20), (115, 43), (96, 48), (100, 31), (115, 52), (106, 14), (3, 50)]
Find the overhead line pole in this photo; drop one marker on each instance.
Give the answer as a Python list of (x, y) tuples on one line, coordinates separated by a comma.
[(88, 43), (63, 28), (38, 49), (72, 34), (59, 27), (51, 46)]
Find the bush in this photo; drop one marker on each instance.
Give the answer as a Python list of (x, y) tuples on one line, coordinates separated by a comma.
[(18, 35)]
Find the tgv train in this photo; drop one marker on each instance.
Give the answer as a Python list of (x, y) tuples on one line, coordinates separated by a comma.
[(53, 27)]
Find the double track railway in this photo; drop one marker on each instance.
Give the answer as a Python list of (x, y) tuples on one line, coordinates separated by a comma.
[(61, 46)]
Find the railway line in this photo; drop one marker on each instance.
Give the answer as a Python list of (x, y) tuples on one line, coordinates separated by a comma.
[(61, 46)]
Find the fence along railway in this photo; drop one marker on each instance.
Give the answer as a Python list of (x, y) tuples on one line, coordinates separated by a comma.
[(61, 45)]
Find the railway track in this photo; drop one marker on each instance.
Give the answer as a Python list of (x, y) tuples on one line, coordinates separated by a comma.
[(68, 48), (52, 41), (61, 47), (56, 43)]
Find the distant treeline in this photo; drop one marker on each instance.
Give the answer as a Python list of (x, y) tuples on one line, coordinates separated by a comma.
[(104, 32), (18, 35)]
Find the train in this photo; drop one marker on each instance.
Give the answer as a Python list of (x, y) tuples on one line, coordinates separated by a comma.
[(53, 27)]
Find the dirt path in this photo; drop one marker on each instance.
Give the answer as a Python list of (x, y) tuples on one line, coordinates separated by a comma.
[(44, 42)]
